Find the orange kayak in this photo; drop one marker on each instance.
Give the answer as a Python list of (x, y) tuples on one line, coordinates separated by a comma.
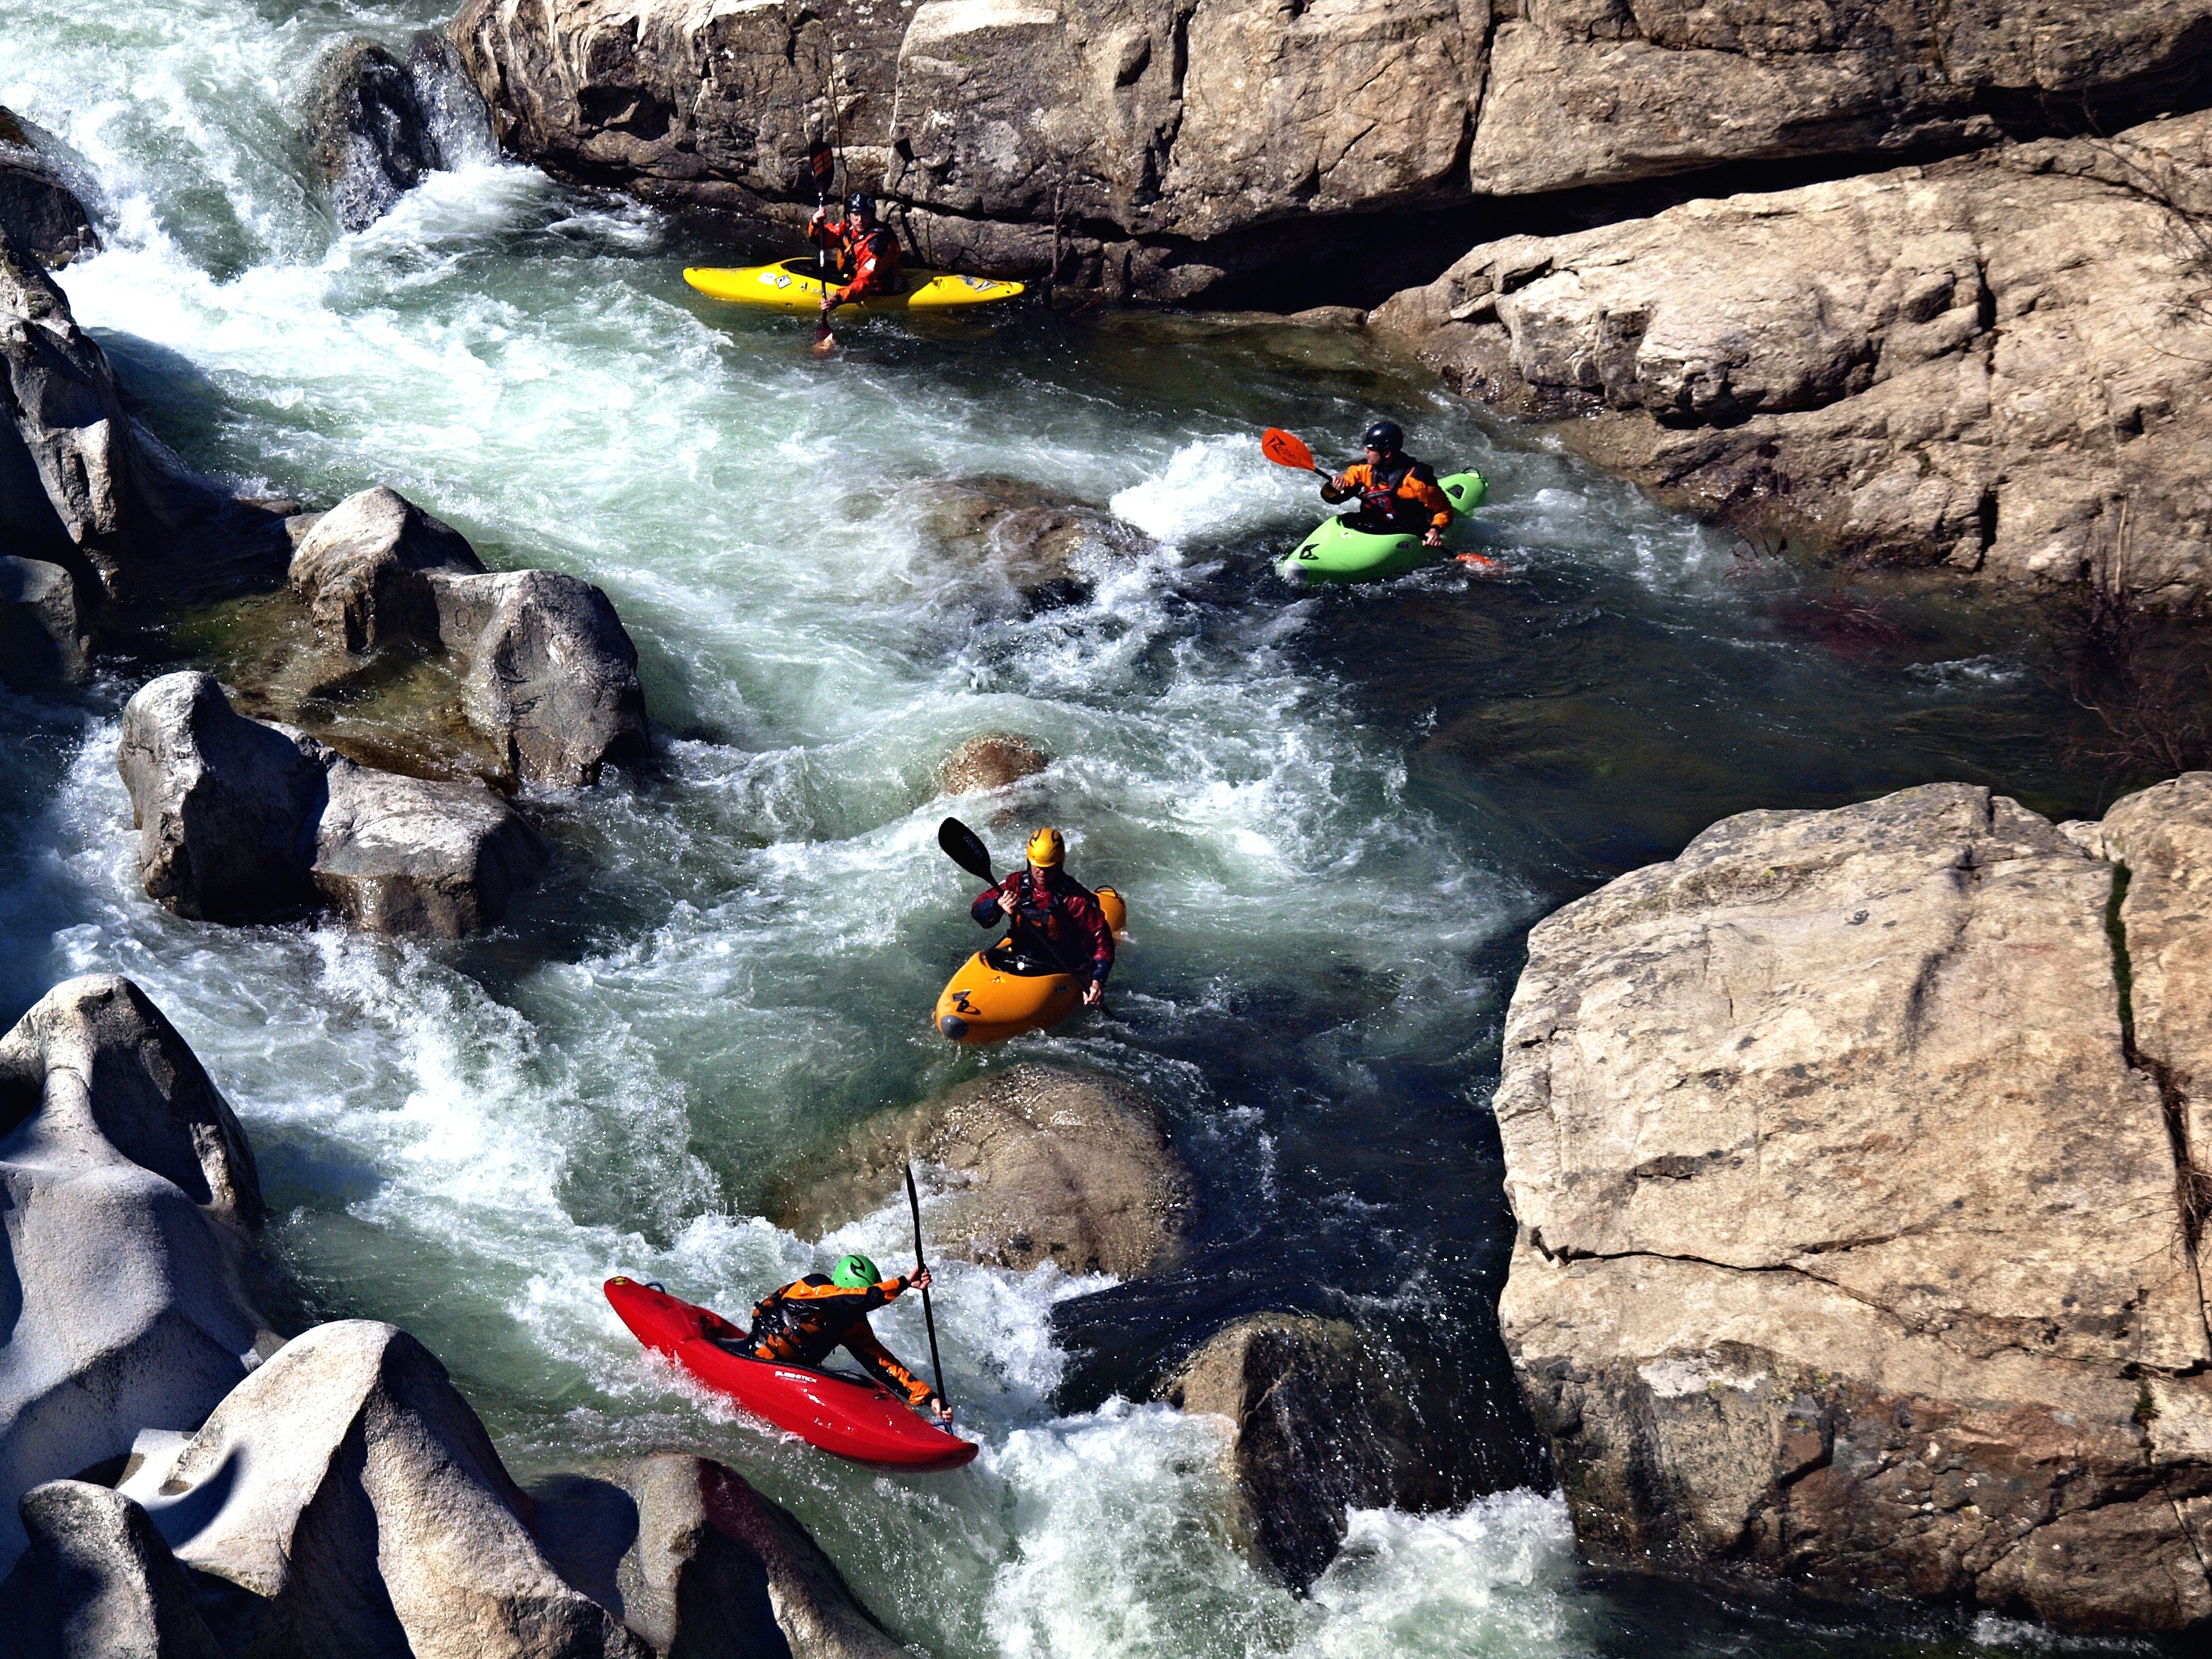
[(850, 1417), (997, 994)]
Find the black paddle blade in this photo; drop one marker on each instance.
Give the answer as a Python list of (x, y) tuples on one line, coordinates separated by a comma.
[(965, 848)]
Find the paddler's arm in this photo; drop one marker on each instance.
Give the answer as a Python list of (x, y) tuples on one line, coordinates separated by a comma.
[(992, 907), (1091, 917), (863, 1346), (1420, 489)]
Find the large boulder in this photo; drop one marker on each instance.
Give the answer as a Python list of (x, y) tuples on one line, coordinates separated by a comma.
[(98, 1582), (1321, 1420), (1038, 1164), (39, 208), (1995, 363), (344, 1499), (127, 1190), (42, 641), (548, 672), (990, 760), (1158, 151), (381, 125), (700, 1565), (1857, 1244), (240, 820)]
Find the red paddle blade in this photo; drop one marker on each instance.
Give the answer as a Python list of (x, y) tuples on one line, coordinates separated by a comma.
[(1284, 449)]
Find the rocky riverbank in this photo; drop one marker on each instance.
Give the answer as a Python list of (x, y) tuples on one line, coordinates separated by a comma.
[(1162, 154), (1859, 1163)]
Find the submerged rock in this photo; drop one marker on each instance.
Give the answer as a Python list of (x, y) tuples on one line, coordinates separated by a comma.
[(42, 642), (1046, 547), (241, 821), (548, 673), (698, 1563), (1995, 363), (127, 1189), (1322, 1422), (1040, 1163), (991, 760), (1856, 1245), (39, 208)]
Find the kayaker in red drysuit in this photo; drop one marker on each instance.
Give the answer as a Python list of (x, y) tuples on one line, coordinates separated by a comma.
[(1055, 919), (873, 252), (811, 1318), (1397, 494)]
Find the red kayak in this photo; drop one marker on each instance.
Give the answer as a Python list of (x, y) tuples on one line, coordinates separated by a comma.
[(854, 1418)]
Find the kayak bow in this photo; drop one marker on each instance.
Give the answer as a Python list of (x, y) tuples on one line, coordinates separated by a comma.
[(848, 1416)]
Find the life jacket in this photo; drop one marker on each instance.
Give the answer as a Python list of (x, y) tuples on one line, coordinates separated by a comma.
[(1379, 494)]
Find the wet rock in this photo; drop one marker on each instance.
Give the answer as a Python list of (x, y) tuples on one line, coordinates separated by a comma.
[(1322, 1422), (402, 855), (1138, 132), (38, 207), (698, 1563), (362, 570), (991, 760), (41, 641), (126, 1192), (552, 674), (1854, 1245), (344, 1499), (1047, 546), (548, 673), (1038, 1164), (1331, 316), (242, 821), (225, 807), (1991, 364), (99, 1582)]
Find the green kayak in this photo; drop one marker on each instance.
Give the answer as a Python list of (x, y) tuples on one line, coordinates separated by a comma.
[(1335, 554)]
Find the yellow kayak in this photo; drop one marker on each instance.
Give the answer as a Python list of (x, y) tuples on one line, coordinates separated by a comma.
[(997, 994), (795, 285)]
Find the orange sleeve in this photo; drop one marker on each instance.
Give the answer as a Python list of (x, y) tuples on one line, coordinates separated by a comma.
[(863, 1346), (1421, 490)]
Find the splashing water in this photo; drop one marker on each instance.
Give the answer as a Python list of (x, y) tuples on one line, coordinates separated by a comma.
[(1333, 812)]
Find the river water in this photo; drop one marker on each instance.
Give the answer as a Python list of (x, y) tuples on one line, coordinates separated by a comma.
[(1335, 814)]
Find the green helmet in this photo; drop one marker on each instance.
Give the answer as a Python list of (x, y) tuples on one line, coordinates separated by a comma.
[(855, 1273)]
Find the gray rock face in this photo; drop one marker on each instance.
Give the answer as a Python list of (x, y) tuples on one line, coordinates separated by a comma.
[(360, 569), (41, 641), (696, 1562), (552, 674), (1162, 141), (126, 1187), (1322, 1423), (241, 821), (381, 125), (37, 207), (1995, 363), (99, 1582), (345, 1499), (1043, 1163), (1856, 1245)]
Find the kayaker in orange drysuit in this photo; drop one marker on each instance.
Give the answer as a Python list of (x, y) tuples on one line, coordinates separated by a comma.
[(1398, 494), (808, 1319), (1055, 918), (873, 255)]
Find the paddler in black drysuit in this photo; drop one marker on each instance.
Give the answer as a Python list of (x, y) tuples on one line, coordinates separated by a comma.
[(810, 1318), (1056, 919), (1398, 494)]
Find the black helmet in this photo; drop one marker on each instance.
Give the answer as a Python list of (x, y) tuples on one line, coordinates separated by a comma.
[(860, 202), (1385, 436)]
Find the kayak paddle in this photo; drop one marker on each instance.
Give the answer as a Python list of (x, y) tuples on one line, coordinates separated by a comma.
[(965, 848), (1287, 449), (937, 1365)]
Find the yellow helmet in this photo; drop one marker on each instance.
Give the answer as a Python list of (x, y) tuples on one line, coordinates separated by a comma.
[(1046, 849)]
